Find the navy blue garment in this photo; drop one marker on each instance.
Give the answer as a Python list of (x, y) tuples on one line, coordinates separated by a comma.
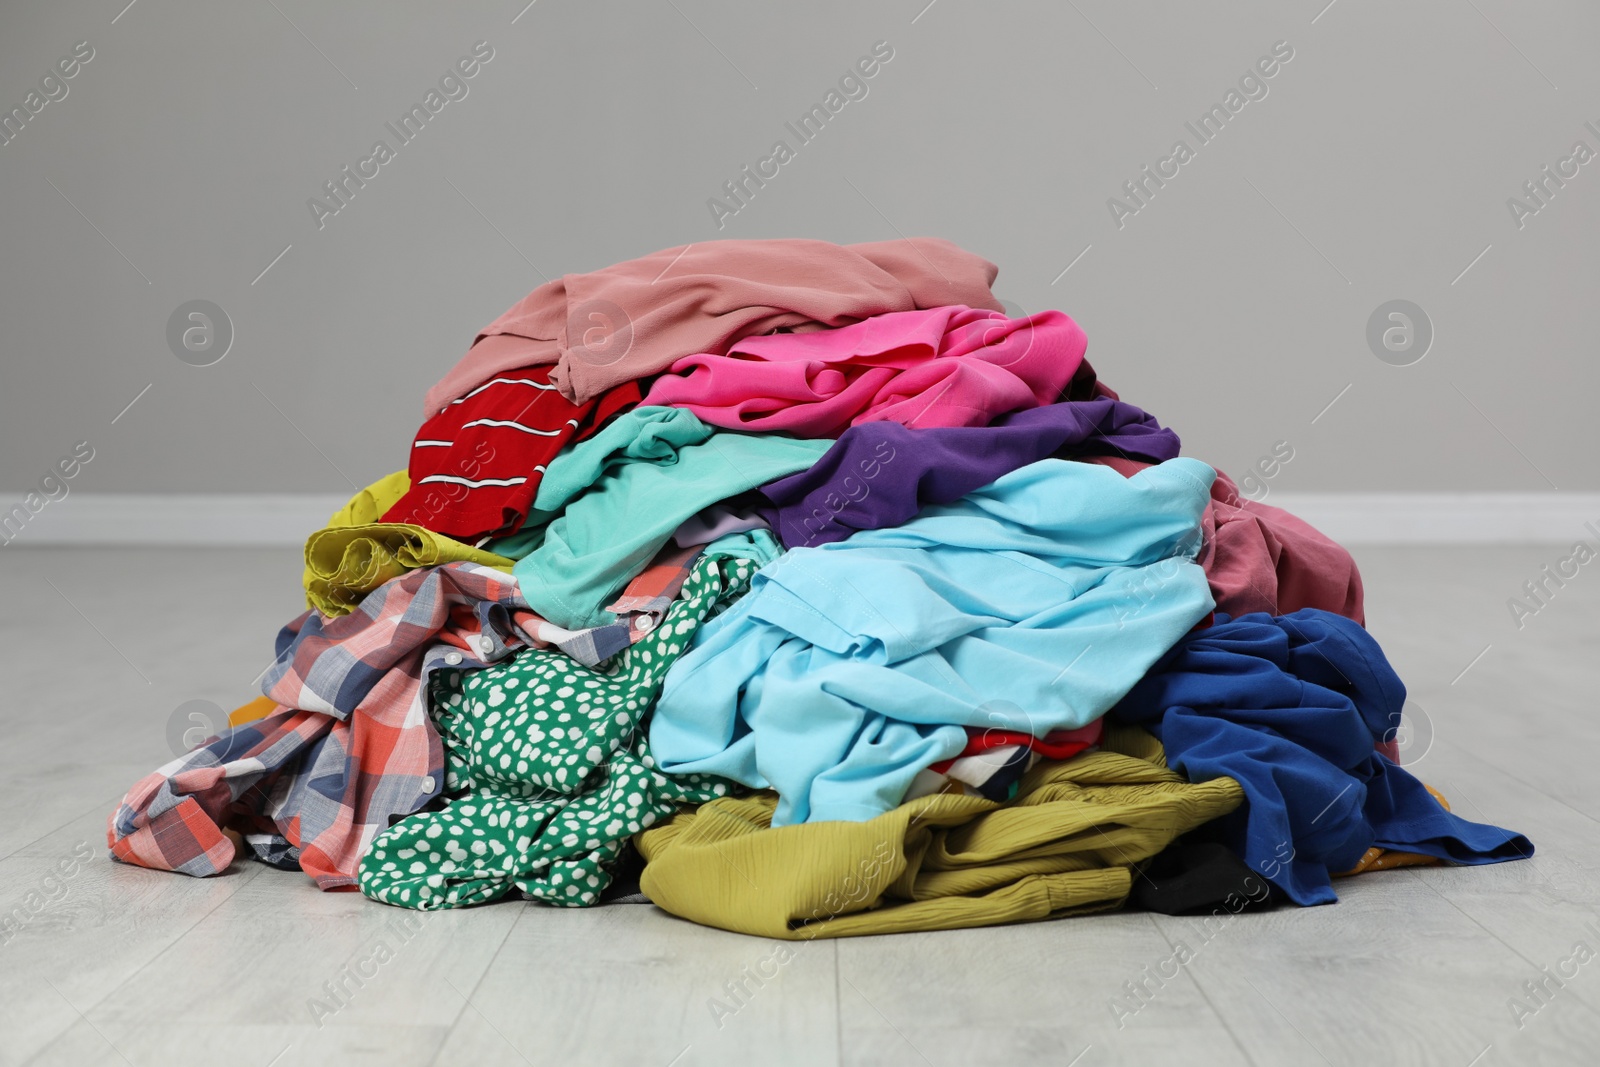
[(1290, 707)]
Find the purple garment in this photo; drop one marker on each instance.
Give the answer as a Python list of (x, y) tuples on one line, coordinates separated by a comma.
[(880, 474)]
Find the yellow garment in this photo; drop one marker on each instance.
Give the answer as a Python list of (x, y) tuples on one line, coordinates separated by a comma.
[(356, 553), (1381, 859), (1066, 844), (259, 708)]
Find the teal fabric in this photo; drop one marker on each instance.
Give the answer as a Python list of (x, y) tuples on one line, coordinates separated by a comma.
[(608, 504), (1032, 604), (757, 546)]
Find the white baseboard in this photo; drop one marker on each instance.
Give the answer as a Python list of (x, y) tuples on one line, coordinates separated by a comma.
[(180, 519), (1446, 518), (235, 519)]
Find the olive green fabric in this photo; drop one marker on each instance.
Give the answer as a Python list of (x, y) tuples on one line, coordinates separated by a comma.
[(355, 553), (1068, 843)]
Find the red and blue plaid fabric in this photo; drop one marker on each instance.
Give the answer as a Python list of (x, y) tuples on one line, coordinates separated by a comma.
[(351, 746), (173, 819), (645, 601)]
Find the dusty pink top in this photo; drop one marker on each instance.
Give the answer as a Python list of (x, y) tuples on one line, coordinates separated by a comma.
[(634, 319), (1258, 557)]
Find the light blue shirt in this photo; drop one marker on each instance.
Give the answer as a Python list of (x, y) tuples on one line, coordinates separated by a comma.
[(1032, 604)]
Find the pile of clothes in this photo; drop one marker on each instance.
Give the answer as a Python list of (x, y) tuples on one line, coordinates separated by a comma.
[(800, 590)]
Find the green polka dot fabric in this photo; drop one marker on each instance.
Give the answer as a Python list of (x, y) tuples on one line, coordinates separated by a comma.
[(549, 769)]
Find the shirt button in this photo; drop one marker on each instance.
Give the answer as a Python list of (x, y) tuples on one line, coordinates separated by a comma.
[(644, 623), (428, 783), (486, 644), (452, 658)]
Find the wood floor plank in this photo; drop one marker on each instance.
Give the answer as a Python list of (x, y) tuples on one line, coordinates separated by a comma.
[(78, 932), (1542, 909), (1040, 992), (1385, 976), (629, 984), (282, 952), (176, 1044)]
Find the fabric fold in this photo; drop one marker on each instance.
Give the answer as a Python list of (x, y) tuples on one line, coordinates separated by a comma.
[(1290, 707), (476, 465), (632, 319), (1262, 558), (950, 366), (1068, 844), (355, 553), (880, 474), (1032, 604), (608, 504), (548, 768)]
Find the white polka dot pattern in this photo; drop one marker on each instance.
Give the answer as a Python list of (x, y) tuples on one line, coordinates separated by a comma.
[(549, 769)]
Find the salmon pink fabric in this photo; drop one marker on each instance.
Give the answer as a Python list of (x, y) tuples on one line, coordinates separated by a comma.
[(633, 319), (950, 366)]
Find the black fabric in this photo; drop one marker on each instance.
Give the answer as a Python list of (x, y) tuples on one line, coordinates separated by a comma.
[(1190, 876)]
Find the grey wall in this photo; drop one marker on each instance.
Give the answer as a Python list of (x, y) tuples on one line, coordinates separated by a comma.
[(1234, 305)]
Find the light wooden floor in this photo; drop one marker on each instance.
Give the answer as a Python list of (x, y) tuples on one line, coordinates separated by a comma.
[(122, 965)]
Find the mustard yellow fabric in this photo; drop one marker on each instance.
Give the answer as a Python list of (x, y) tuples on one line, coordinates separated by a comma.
[(1068, 843), (259, 708), (1380, 859), (356, 553)]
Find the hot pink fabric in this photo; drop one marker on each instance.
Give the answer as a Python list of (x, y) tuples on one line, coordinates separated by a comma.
[(950, 366), (1261, 558), (634, 319)]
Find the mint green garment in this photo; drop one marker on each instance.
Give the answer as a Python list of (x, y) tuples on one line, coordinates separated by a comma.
[(608, 504)]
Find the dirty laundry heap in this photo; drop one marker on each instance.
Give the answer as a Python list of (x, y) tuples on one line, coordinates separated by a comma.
[(807, 593)]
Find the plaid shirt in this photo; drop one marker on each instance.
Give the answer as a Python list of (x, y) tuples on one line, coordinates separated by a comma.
[(351, 746)]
